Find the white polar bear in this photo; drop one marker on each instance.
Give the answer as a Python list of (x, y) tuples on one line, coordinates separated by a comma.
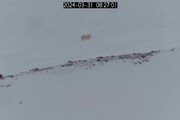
[(85, 37)]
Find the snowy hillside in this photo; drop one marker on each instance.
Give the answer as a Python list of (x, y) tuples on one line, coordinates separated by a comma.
[(36, 33), (112, 91), (128, 70)]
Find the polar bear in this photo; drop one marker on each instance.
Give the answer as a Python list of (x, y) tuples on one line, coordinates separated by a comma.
[(85, 37)]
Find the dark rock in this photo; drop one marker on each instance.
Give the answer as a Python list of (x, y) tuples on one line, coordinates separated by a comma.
[(69, 63), (146, 60), (8, 85), (10, 76), (98, 60), (172, 49), (62, 65), (143, 56), (120, 57), (100, 57), (20, 102), (1, 76), (35, 70), (80, 61)]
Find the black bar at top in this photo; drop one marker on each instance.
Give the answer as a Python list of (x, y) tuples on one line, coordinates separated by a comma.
[(90, 5)]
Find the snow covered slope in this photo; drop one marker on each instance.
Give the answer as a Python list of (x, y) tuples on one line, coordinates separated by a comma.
[(38, 33), (116, 90), (138, 82)]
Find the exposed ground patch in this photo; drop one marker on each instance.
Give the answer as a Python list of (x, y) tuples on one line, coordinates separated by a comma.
[(134, 58)]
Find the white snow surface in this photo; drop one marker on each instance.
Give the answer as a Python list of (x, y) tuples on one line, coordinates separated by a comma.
[(40, 33), (113, 91)]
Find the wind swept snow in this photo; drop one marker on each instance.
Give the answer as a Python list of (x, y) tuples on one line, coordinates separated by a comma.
[(117, 90), (38, 33), (128, 70)]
